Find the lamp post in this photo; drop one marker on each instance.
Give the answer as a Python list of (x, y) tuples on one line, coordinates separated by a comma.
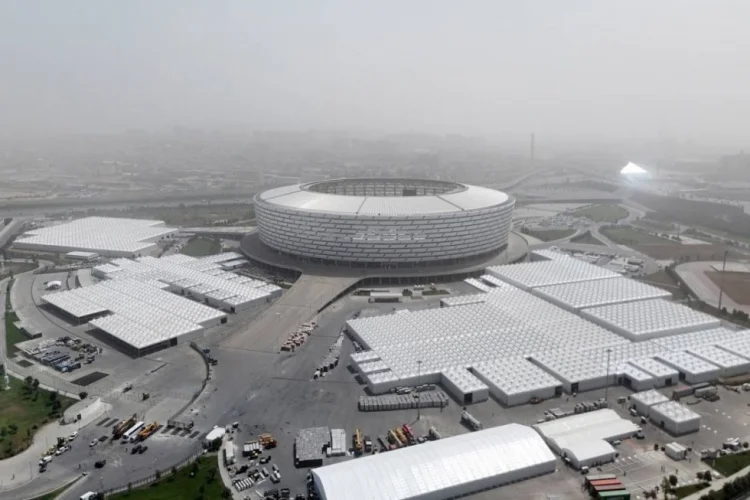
[(419, 394), (721, 282), (606, 386)]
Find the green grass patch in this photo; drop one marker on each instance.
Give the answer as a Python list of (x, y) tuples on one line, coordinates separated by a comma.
[(549, 234), (13, 268), (181, 486), (602, 213), (685, 491), (631, 236), (23, 409), (54, 494), (587, 239), (200, 247), (729, 464), (13, 335)]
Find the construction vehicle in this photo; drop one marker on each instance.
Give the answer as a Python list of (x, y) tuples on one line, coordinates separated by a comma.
[(357, 439), (400, 435), (395, 443), (434, 434), (409, 434), (267, 440), (147, 431), (122, 426)]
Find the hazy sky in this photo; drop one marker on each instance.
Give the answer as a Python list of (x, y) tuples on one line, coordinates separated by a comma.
[(604, 69)]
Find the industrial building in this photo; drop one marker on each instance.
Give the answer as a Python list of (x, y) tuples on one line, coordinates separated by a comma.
[(106, 236), (675, 418), (447, 468), (585, 438), (142, 306), (533, 337), (377, 222)]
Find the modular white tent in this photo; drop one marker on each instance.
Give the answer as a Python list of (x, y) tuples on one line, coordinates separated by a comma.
[(728, 363), (577, 296), (675, 418), (650, 319), (562, 270), (584, 438), (109, 236), (643, 401), (447, 468), (692, 369)]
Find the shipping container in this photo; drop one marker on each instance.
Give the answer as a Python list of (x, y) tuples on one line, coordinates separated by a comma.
[(615, 495), (604, 482)]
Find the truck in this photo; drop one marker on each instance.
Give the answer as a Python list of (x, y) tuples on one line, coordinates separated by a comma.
[(434, 434), (409, 434), (368, 444), (357, 441), (147, 431), (393, 439), (267, 440), (471, 422), (119, 429), (177, 424), (229, 456)]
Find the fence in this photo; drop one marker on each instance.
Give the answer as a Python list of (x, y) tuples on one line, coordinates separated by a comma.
[(162, 474)]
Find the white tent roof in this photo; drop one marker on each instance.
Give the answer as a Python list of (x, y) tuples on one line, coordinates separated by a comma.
[(429, 468)]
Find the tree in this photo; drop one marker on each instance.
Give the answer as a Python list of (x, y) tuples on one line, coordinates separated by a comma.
[(226, 493), (28, 380), (12, 428), (672, 480), (665, 487), (158, 474), (196, 467), (53, 396), (83, 394), (35, 383)]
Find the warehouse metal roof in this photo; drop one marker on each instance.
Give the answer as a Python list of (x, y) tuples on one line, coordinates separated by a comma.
[(600, 292), (99, 234), (689, 340), (503, 453), (470, 198), (653, 367), (650, 318), (516, 376), (592, 426)]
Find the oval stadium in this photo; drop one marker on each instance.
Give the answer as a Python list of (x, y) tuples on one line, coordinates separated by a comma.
[(397, 223)]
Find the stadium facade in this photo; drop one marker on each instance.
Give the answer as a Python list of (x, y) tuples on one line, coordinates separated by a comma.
[(384, 223)]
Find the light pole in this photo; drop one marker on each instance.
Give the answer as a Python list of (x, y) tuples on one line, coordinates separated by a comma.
[(606, 386), (419, 393), (721, 282)]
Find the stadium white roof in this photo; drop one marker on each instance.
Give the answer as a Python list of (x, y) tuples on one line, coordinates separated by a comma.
[(600, 292), (99, 234), (297, 197), (650, 318), (536, 274), (506, 453)]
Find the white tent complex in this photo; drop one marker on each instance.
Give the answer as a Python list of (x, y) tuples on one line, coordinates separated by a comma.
[(631, 171), (447, 468), (585, 438)]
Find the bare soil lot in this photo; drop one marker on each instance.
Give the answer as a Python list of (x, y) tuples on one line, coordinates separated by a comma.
[(672, 250), (736, 285)]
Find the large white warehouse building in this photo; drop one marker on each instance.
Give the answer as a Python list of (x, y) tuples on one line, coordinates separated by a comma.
[(372, 222), (447, 468), (106, 236)]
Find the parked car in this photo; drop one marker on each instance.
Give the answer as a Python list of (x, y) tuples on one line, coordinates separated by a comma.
[(265, 460), (142, 450), (135, 449), (100, 463), (93, 443), (73, 436)]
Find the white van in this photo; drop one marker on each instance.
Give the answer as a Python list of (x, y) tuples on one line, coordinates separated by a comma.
[(90, 495)]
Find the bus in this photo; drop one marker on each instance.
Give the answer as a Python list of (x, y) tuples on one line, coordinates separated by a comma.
[(132, 434)]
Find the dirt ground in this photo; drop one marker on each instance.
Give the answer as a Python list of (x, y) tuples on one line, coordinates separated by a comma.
[(677, 252), (662, 280), (736, 285)]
